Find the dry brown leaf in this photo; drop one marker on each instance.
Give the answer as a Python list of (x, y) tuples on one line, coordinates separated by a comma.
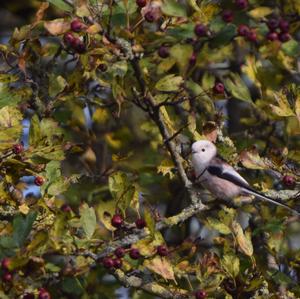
[(57, 27), (160, 266)]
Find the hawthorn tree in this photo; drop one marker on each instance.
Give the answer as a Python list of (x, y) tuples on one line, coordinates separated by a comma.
[(113, 93)]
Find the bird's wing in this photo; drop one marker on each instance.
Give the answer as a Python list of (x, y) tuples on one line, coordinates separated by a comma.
[(226, 172)]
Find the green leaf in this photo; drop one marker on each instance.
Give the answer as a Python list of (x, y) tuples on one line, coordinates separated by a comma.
[(122, 190), (218, 225), (237, 87), (56, 85), (169, 83), (173, 8), (72, 285), (224, 36), (283, 108), (35, 131), (182, 54), (88, 220), (22, 227), (231, 264), (291, 48), (150, 222), (61, 5)]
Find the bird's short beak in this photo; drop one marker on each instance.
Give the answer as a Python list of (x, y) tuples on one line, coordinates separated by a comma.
[(194, 152)]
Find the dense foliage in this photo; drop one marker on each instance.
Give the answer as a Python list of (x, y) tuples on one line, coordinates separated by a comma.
[(113, 92)]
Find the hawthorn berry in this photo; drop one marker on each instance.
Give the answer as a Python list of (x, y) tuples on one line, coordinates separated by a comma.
[(272, 36), (28, 296), (134, 253), (284, 25), (284, 37), (141, 3), (227, 16), (65, 208), (242, 4), (117, 221), (251, 36), (18, 148), (163, 52), (273, 24), (140, 223), (7, 277), (108, 262), (43, 294), (289, 181), (243, 30), (39, 181), (200, 294), (219, 88), (69, 38), (77, 26), (162, 250), (102, 67), (200, 30), (120, 252), (149, 17), (78, 45), (5, 263), (117, 263)]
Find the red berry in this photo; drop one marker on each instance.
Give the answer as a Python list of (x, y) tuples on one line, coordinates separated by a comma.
[(149, 17), (193, 59), (117, 263), (7, 277), (219, 88), (251, 36), (66, 208), (117, 221), (200, 294), (18, 148), (119, 252), (77, 26), (39, 181), (5, 264), (43, 294), (272, 36), (284, 25), (227, 16), (284, 37), (134, 253), (242, 4), (108, 262), (200, 30), (162, 250), (102, 67), (289, 181), (141, 3), (163, 52), (243, 30), (273, 24), (78, 45), (140, 223), (69, 38)]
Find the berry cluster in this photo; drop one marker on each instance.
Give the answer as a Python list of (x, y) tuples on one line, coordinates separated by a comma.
[(278, 30), (74, 41)]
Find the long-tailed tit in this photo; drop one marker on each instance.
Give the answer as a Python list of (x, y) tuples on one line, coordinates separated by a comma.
[(219, 177)]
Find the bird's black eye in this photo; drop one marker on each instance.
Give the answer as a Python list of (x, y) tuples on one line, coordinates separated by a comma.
[(203, 150)]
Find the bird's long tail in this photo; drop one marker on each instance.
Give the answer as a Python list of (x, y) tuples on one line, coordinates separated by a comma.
[(269, 199)]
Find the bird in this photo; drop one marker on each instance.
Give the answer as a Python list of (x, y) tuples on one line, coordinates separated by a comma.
[(220, 178)]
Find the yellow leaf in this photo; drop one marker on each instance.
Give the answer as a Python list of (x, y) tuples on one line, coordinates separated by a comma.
[(24, 209), (93, 29), (252, 160), (260, 12), (166, 167), (56, 27), (283, 109), (160, 266), (244, 241)]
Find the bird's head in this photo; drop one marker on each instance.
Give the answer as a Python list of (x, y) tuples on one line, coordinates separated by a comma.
[(203, 151)]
